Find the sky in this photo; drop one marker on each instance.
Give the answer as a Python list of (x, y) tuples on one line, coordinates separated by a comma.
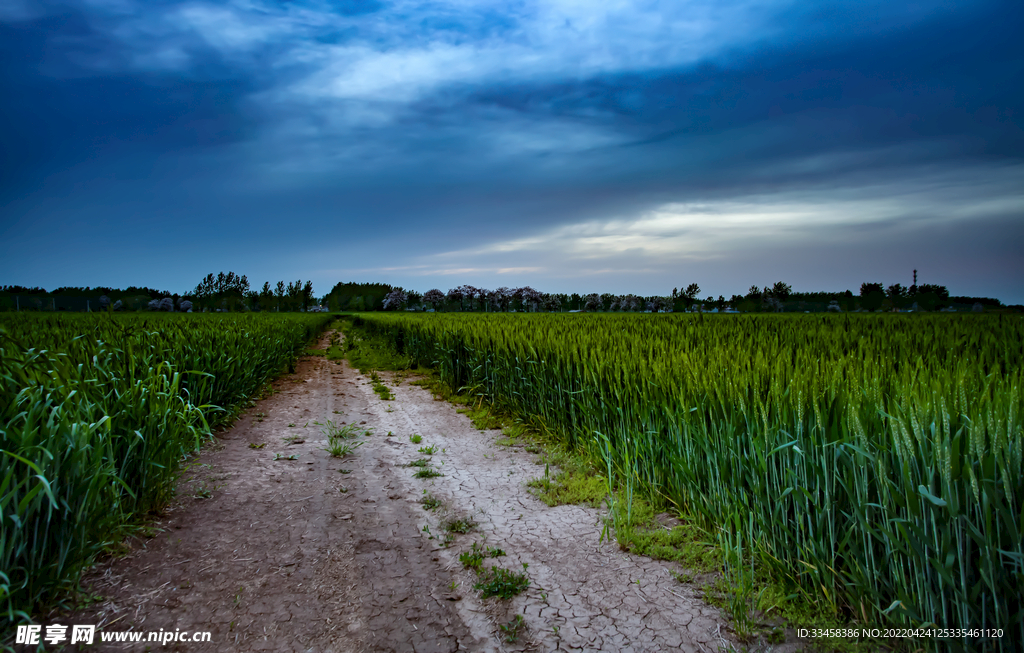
[(599, 146)]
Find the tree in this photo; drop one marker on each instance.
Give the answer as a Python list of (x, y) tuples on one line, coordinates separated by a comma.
[(456, 295), (529, 297), (503, 298), (266, 296), (690, 294), (434, 297), (279, 293), (897, 294), (781, 291), (592, 302), (307, 295), (930, 296), (396, 300), (871, 296), (415, 299)]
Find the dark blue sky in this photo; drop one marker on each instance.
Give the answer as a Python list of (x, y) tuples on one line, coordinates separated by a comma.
[(572, 146)]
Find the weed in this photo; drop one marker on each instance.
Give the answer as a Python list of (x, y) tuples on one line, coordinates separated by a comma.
[(472, 559), (340, 449), (512, 629), (253, 445), (495, 581), (422, 462), (427, 473), (683, 577), (415, 439), (336, 435), (281, 456), (430, 451), (482, 417), (459, 525), (344, 471), (379, 387), (577, 482), (429, 501), (202, 492), (290, 425)]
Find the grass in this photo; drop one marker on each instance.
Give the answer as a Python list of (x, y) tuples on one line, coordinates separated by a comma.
[(340, 448), (430, 502), (474, 558), (427, 473), (340, 439), (513, 628), (459, 525), (344, 432), (503, 583), (378, 387), (576, 482)]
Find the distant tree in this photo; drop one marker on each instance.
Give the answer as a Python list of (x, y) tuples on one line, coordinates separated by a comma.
[(592, 302), (781, 291), (690, 294), (223, 290), (456, 295), (897, 295), (659, 304), (415, 298), (307, 295), (503, 298), (470, 293), (434, 297), (396, 300), (930, 296), (871, 296), (266, 296), (279, 294), (529, 297)]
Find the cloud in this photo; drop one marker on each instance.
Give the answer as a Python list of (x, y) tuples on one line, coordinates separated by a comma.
[(630, 141)]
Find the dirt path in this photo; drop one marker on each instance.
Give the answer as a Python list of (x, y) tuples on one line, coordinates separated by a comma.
[(294, 555)]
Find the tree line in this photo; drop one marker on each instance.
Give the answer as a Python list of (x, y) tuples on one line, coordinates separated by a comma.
[(228, 291)]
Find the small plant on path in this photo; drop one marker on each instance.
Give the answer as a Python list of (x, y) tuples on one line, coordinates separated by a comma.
[(496, 581)]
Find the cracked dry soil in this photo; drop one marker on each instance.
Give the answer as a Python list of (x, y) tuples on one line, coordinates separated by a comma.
[(297, 555)]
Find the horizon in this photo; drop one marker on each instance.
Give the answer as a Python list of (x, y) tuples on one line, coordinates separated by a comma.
[(574, 148)]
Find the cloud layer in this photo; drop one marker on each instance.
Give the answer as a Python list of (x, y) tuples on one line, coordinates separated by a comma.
[(621, 146)]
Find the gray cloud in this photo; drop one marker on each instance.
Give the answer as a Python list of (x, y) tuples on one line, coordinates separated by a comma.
[(414, 142)]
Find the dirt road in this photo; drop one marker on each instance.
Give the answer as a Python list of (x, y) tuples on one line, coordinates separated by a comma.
[(275, 545)]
